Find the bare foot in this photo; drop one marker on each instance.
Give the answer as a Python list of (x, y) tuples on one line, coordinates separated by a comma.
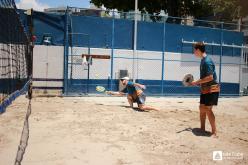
[(154, 109), (214, 135)]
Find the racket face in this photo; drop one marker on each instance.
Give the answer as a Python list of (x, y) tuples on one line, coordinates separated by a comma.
[(188, 79), (100, 89)]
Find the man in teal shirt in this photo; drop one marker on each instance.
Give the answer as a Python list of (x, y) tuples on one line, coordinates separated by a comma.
[(209, 87)]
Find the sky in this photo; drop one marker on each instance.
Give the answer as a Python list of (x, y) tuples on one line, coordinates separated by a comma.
[(39, 5)]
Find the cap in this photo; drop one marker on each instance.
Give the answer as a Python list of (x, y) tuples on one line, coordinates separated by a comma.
[(125, 78)]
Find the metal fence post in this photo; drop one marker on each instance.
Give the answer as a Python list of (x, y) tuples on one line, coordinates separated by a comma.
[(135, 30), (66, 51), (221, 53), (240, 71), (88, 71), (112, 50), (163, 53)]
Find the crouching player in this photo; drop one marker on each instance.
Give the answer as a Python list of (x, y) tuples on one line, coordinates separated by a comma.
[(135, 94)]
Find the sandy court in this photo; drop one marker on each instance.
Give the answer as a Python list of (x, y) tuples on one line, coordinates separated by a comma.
[(103, 130)]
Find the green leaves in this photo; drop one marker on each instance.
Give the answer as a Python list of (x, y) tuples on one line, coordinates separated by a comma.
[(221, 9)]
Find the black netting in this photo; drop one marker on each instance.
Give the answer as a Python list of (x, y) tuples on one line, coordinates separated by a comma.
[(15, 51)]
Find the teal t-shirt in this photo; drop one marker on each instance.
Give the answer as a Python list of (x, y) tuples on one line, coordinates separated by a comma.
[(207, 68), (130, 88)]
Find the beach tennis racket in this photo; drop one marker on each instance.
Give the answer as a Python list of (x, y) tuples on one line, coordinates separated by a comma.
[(187, 80), (100, 89)]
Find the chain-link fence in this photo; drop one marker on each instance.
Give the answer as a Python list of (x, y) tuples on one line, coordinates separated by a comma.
[(15, 65), (162, 56), (78, 67), (15, 53), (86, 67), (244, 72)]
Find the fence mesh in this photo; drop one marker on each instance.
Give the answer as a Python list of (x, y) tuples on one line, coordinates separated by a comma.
[(15, 53), (157, 63), (244, 72), (15, 65)]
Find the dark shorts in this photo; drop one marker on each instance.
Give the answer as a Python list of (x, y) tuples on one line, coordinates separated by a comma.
[(209, 99), (140, 99)]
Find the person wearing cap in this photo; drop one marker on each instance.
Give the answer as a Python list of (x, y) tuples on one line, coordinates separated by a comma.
[(135, 94), (209, 87)]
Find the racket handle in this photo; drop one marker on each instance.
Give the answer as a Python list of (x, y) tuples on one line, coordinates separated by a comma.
[(108, 92), (112, 93)]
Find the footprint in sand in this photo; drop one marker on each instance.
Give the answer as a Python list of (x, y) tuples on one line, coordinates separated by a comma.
[(188, 110), (175, 111), (244, 140)]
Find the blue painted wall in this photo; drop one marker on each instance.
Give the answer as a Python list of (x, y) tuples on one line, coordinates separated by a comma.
[(150, 35), (96, 32), (153, 87)]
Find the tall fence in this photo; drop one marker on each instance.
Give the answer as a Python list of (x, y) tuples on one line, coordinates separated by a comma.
[(99, 49), (15, 65), (15, 54), (162, 58)]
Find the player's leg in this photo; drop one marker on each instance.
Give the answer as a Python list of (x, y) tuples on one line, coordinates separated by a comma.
[(203, 115), (130, 100), (141, 104), (212, 99), (144, 107), (211, 119)]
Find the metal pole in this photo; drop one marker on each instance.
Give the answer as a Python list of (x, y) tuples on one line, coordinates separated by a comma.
[(221, 53), (215, 44), (112, 51), (240, 71), (135, 41), (66, 54), (88, 78), (163, 52), (88, 71)]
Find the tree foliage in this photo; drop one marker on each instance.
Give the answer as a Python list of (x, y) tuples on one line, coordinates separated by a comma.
[(223, 9), (176, 8), (229, 9)]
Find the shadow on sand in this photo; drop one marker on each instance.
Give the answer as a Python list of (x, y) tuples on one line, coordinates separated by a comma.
[(125, 106), (134, 108), (197, 132)]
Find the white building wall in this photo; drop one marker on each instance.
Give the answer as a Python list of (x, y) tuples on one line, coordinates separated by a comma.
[(49, 63)]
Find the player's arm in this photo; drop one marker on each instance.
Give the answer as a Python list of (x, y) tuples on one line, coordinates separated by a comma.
[(209, 69), (139, 85), (116, 93), (203, 80)]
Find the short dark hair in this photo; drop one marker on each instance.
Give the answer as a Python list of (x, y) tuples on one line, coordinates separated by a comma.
[(200, 46)]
